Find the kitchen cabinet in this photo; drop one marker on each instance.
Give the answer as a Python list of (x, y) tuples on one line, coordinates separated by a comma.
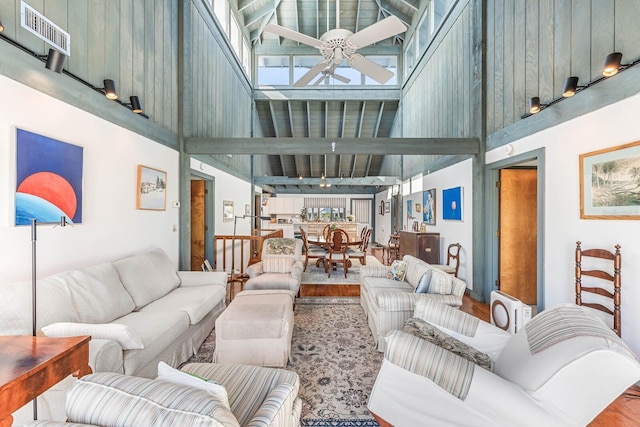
[(425, 246)]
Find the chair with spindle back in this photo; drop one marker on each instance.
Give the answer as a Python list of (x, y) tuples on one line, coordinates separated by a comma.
[(606, 285)]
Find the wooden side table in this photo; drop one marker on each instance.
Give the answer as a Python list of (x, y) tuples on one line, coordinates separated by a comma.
[(31, 365), (240, 278)]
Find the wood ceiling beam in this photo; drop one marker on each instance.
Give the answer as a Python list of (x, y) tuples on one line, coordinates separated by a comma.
[(413, 4), (322, 94), (277, 134), (320, 146), (385, 6), (364, 181), (243, 4), (268, 9)]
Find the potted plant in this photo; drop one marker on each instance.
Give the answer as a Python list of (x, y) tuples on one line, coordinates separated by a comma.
[(303, 214)]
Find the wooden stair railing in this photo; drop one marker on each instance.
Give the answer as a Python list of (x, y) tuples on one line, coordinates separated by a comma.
[(230, 244)]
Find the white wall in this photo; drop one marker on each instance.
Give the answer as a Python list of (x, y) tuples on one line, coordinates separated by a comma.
[(383, 222), (111, 227), (610, 126), (458, 175)]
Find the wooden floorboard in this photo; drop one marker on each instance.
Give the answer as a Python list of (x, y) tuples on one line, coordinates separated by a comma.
[(623, 412)]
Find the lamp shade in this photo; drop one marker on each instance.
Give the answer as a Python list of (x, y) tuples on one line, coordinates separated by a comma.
[(55, 61), (570, 86), (136, 106), (110, 89), (534, 105), (612, 64)]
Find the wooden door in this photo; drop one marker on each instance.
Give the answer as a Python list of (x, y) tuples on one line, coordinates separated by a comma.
[(198, 222), (518, 234)]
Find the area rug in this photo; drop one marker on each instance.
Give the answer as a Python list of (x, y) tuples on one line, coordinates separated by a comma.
[(334, 355), (317, 276)]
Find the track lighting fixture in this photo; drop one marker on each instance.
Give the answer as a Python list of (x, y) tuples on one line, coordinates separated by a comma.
[(571, 87), (109, 89), (1, 27), (55, 60), (135, 104), (535, 106), (612, 64)]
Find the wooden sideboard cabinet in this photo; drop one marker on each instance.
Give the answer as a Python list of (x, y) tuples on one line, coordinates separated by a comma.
[(425, 246)]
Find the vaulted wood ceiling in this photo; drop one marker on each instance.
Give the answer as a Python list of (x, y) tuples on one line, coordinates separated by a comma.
[(328, 111)]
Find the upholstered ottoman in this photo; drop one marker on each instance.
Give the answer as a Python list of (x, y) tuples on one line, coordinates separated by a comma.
[(256, 328)]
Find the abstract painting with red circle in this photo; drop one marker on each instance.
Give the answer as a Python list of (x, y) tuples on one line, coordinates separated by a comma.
[(49, 179)]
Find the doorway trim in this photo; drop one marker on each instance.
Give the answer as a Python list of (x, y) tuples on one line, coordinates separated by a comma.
[(491, 221), (209, 212)]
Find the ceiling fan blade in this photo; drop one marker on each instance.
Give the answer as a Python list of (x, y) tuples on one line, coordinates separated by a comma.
[(292, 35), (379, 31), (370, 68), (309, 75), (320, 79), (341, 78)]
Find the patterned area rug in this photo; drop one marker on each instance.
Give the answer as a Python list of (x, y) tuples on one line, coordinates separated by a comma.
[(317, 276), (335, 357)]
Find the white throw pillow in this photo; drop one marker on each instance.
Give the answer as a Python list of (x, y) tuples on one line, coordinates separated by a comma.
[(122, 334), (176, 376)]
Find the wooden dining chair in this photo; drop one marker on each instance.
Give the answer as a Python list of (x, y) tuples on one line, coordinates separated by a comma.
[(392, 247), (605, 284), (361, 251), (310, 251), (453, 255), (337, 244)]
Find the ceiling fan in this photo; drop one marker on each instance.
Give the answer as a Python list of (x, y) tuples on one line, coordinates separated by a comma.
[(339, 44)]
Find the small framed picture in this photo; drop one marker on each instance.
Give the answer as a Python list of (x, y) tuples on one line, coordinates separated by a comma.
[(151, 191), (227, 210)]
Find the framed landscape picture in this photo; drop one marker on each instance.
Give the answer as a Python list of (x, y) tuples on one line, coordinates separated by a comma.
[(610, 183), (429, 207), (151, 189)]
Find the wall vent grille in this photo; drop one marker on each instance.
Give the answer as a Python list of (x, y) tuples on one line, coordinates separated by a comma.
[(38, 24)]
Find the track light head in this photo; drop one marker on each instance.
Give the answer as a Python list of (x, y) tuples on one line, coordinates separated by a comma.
[(612, 64), (135, 104), (534, 105), (110, 89), (570, 87), (1, 27), (55, 60)]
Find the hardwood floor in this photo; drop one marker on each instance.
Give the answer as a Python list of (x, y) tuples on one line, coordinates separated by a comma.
[(623, 412)]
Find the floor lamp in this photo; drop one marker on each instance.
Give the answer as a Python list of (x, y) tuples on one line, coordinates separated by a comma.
[(233, 241), (34, 238)]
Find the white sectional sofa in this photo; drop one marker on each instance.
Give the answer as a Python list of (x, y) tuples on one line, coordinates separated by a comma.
[(389, 303), (171, 312), (139, 310)]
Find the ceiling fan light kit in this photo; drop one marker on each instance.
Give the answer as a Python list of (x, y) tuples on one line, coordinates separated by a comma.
[(339, 44)]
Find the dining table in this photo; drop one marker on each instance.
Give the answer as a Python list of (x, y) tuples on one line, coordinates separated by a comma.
[(321, 241)]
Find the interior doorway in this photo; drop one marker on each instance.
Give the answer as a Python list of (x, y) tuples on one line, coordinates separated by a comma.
[(202, 215), (515, 228), (517, 233)]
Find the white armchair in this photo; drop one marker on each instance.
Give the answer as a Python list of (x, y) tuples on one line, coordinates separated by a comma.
[(109, 399), (280, 268), (562, 369)]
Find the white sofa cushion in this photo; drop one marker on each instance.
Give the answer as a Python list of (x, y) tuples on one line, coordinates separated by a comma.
[(158, 331), (98, 294), (196, 301), (441, 282), (114, 399), (277, 264), (147, 276), (172, 375), (415, 270), (53, 304), (122, 334)]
